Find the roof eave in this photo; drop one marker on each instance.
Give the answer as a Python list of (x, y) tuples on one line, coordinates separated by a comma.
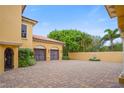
[(62, 43), (34, 22), (108, 10), (23, 8)]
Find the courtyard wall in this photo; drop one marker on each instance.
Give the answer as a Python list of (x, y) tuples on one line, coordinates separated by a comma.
[(103, 56)]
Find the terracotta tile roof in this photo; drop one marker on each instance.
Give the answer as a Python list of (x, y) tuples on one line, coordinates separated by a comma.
[(45, 38)]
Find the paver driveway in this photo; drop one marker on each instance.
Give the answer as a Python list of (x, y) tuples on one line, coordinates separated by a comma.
[(71, 73)]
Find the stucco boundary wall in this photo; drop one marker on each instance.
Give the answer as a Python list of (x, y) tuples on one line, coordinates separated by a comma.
[(103, 56)]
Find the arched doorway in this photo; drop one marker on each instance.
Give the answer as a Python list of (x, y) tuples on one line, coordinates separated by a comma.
[(8, 59)]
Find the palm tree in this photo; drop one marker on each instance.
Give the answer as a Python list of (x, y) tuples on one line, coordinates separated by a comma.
[(110, 36)]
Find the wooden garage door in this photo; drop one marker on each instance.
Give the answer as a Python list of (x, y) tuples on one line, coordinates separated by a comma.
[(40, 54), (54, 54)]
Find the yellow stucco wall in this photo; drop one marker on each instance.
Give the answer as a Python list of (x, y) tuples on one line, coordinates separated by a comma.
[(48, 46), (2, 50), (121, 25), (27, 42), (10, 20), (103, 56), (120, 18), (10, 32)]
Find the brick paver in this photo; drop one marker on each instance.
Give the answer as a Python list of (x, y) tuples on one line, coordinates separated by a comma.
[(67, 74)]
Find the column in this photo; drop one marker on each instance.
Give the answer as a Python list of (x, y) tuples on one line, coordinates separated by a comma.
[(15, 57), (60, 55), (48, 55), (121, 77), (1, 59)]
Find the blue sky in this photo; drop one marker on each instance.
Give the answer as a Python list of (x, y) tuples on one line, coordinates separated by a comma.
[(91, 19)]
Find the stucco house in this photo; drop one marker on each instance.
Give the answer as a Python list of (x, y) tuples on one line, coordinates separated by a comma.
[(118, 11), (16, 32)]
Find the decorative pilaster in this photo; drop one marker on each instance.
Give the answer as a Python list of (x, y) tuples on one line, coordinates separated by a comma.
[(47, 55), (1, 59), (60, 55), (15, 57)]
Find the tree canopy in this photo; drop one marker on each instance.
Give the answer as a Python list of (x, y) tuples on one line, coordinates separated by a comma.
[(76, 41)]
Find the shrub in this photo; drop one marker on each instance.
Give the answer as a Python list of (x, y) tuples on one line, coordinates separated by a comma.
[(65, 58), (26, 57), (94, 59)]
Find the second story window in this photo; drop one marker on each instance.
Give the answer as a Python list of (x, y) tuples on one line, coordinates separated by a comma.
[(24, 31)]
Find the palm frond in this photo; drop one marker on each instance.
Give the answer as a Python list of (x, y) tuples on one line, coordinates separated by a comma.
[(116, 36), (109, 31), (115, 31)]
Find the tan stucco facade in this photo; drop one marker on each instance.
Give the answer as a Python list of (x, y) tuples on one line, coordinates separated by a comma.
[(30, 43), (27, 42), (48, 46), (10, 20), (10, 29), (120, 18), (10, 35)]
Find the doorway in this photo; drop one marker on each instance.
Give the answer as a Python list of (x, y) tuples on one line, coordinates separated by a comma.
[(54, 54), (8, 59), (40, 54)]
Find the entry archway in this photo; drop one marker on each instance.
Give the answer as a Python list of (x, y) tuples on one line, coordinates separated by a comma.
[(8, 59)]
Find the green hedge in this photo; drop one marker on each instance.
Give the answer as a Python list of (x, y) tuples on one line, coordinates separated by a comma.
[(65, 58), (26, 57)]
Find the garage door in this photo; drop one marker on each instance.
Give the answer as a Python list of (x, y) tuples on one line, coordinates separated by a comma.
[(54, 54), (40, 54)]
